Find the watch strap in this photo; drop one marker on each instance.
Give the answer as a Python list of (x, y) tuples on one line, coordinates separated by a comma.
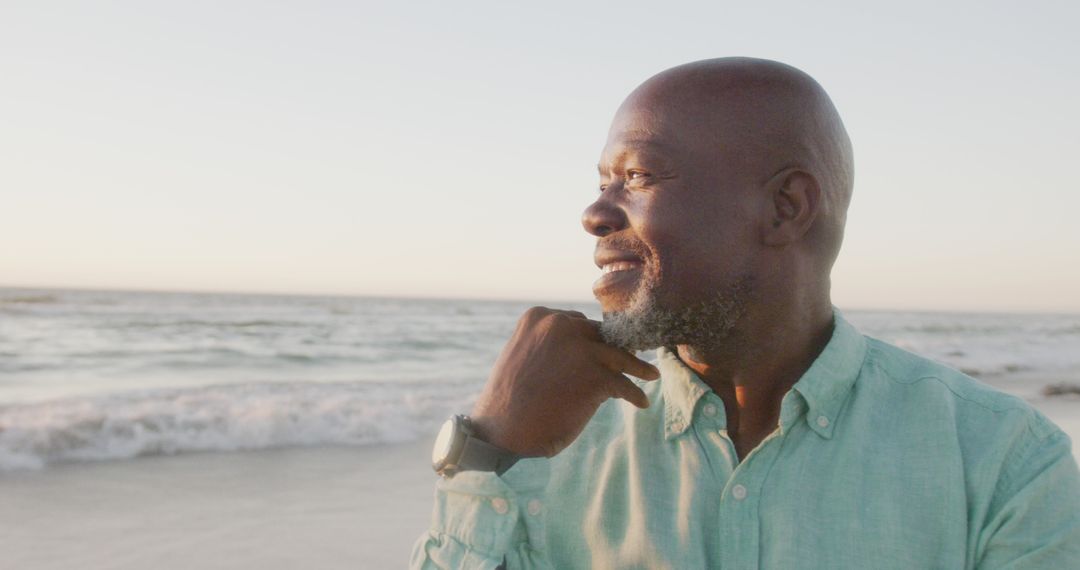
[(479, 455)]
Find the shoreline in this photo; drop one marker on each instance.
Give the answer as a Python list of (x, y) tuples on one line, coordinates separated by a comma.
[(319, 507)]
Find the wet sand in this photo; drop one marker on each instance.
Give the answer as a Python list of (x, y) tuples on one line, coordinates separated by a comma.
[(319, 508)]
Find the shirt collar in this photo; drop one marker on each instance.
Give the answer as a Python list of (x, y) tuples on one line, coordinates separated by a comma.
[(824, 386), (681, 388)]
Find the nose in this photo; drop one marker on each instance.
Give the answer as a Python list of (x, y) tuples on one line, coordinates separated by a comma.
[(602, 217)]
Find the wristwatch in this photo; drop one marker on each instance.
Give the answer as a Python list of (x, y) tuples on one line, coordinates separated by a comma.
[(458, 449)]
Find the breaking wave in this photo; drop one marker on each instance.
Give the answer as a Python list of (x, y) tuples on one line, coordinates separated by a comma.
[(217, 418)]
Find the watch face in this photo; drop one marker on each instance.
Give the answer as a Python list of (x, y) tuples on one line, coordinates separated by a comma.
[(443, 443)]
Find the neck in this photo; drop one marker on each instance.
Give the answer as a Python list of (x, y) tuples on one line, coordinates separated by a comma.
[(770, 350)]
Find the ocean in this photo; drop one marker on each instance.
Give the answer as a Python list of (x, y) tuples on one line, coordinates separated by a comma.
[(114, 375)]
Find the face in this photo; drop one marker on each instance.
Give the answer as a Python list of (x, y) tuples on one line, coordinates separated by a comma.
[(675, 224)]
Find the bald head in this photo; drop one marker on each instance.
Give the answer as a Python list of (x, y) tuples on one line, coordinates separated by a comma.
[(753, 118), (724, 186)]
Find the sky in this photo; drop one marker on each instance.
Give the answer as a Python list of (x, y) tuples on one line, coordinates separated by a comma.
[(447, 149)]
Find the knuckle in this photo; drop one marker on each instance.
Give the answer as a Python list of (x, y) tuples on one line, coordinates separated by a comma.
[(552, 320), (559, 318), (534, 314)]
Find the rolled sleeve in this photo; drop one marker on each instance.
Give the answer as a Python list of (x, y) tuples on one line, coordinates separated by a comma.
[(480, 519)]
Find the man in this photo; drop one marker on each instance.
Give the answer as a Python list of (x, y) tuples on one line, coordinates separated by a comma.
[(769, 433)]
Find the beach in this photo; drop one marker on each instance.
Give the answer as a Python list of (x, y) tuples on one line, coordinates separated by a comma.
[(188, 430), (324, 507)]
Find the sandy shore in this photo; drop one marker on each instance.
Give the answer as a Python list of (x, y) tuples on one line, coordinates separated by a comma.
[(321, 508)]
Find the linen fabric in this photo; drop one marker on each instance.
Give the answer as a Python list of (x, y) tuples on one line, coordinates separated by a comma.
[(881, 459)]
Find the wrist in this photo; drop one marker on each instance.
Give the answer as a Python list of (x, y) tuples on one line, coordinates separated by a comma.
[(490, 430), (459, 448)]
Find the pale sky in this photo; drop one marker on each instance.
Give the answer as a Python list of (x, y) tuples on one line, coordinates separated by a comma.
[(447, 149)]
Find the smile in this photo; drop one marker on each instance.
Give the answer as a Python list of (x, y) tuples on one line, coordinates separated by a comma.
[(617, 283), (620, 266)]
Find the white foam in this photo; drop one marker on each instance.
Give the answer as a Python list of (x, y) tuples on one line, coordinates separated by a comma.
[(216, 418)]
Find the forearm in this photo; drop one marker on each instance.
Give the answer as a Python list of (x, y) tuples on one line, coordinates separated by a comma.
[(480, 519)]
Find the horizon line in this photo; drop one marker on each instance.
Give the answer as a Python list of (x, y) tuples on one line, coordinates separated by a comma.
[(524, 300)]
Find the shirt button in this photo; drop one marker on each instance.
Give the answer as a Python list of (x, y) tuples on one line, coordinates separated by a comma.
[(709, 409), (534, 507), (739, 492), (823, 421), (500, 505)]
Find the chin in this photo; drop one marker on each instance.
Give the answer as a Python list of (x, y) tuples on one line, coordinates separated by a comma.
[(615, 301), (610, 306)]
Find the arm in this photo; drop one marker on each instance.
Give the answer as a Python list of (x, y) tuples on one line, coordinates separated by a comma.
[(1035, 514), (547, 384), (480, 519)]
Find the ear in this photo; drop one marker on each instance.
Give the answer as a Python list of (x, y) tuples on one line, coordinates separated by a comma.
[(793, 203)]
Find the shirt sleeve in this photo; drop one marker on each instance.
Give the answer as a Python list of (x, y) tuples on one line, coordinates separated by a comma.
[(1035, 515), (482, 520)]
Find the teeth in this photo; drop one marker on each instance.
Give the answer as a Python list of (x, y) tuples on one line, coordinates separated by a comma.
[(619, 266)]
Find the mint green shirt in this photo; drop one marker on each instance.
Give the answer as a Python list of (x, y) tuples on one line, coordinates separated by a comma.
[(881, 459)]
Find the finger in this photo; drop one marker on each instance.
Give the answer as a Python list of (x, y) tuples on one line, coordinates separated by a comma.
[(625, 389), (588, 327), (569, 313), (537, 314), (620, 360), (562, 319)]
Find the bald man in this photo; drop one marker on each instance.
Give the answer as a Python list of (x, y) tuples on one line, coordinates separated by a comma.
[(769, 433)]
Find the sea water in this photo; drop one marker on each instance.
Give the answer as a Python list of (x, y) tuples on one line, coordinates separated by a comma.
[(112, 375)]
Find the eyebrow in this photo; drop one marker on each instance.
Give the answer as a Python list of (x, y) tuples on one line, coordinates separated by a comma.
[(639, 145)]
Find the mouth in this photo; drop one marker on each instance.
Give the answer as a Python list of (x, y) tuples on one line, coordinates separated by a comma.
[(619, 266), (620, 277)]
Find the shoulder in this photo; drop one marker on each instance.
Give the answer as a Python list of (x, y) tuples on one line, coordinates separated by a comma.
[(984, 420), (913, 375)]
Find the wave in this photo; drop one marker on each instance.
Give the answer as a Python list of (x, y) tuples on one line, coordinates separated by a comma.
[(227, 417), (30, 300), (995, 370), (205, 323), (1061, 389)]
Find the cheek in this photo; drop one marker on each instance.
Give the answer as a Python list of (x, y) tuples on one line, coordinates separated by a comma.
[(692, 236), (705, 251)]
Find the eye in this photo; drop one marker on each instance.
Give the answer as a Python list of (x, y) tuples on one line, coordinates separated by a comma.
[(636, 174)]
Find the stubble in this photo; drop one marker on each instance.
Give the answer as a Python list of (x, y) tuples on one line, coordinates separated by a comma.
[(705, 327)]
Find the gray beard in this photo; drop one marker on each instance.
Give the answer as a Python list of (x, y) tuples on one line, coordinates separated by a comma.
[(705, 327)]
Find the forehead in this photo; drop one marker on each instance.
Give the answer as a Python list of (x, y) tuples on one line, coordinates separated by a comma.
[(623, 144), (661, 127)]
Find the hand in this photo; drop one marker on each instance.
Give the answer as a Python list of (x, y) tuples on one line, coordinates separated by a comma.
[(549, 380)]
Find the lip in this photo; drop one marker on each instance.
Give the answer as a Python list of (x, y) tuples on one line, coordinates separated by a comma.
[(623, 281), (620, 280), (604, 257)]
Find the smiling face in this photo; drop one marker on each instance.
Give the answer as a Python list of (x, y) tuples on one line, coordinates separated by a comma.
[(724, 187), (676, 223)]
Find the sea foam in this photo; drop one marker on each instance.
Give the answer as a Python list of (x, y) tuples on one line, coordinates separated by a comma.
[(216, 418)]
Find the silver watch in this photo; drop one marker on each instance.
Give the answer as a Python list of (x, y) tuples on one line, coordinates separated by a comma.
[(458, 449)]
